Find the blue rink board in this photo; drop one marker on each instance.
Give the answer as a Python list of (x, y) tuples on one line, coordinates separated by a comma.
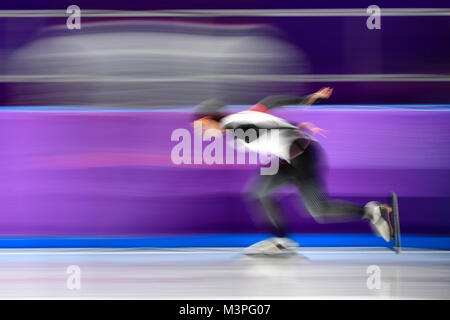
[(219, 240), (234, 108)]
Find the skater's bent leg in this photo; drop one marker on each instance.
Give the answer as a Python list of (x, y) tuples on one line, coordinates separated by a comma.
[(261, 198)]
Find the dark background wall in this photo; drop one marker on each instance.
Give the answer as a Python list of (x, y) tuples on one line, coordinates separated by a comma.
[(409, 45)]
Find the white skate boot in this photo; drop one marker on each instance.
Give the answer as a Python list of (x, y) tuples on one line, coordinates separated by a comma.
[(272, 247), (379, 216)]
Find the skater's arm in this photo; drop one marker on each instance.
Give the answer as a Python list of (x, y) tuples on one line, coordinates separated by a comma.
[(272, 102), (276, 101)]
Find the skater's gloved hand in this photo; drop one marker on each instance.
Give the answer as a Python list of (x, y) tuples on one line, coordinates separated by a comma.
[(323, 93), (312, 128)]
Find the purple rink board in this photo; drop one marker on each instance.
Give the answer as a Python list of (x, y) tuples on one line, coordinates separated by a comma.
[(92, 172)]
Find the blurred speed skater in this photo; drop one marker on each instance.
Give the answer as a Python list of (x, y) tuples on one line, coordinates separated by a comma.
[(300, 157)]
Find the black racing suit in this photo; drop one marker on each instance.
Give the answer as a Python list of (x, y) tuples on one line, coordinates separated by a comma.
[(302, 170)]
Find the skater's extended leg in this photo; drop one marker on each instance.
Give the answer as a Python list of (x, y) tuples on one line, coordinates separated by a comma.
[(322, 208), (309, 181)]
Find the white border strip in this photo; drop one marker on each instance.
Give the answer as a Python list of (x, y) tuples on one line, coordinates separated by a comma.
[(220, 298)]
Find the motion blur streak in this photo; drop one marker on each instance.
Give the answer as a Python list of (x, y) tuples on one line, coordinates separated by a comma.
[(163, 59)]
